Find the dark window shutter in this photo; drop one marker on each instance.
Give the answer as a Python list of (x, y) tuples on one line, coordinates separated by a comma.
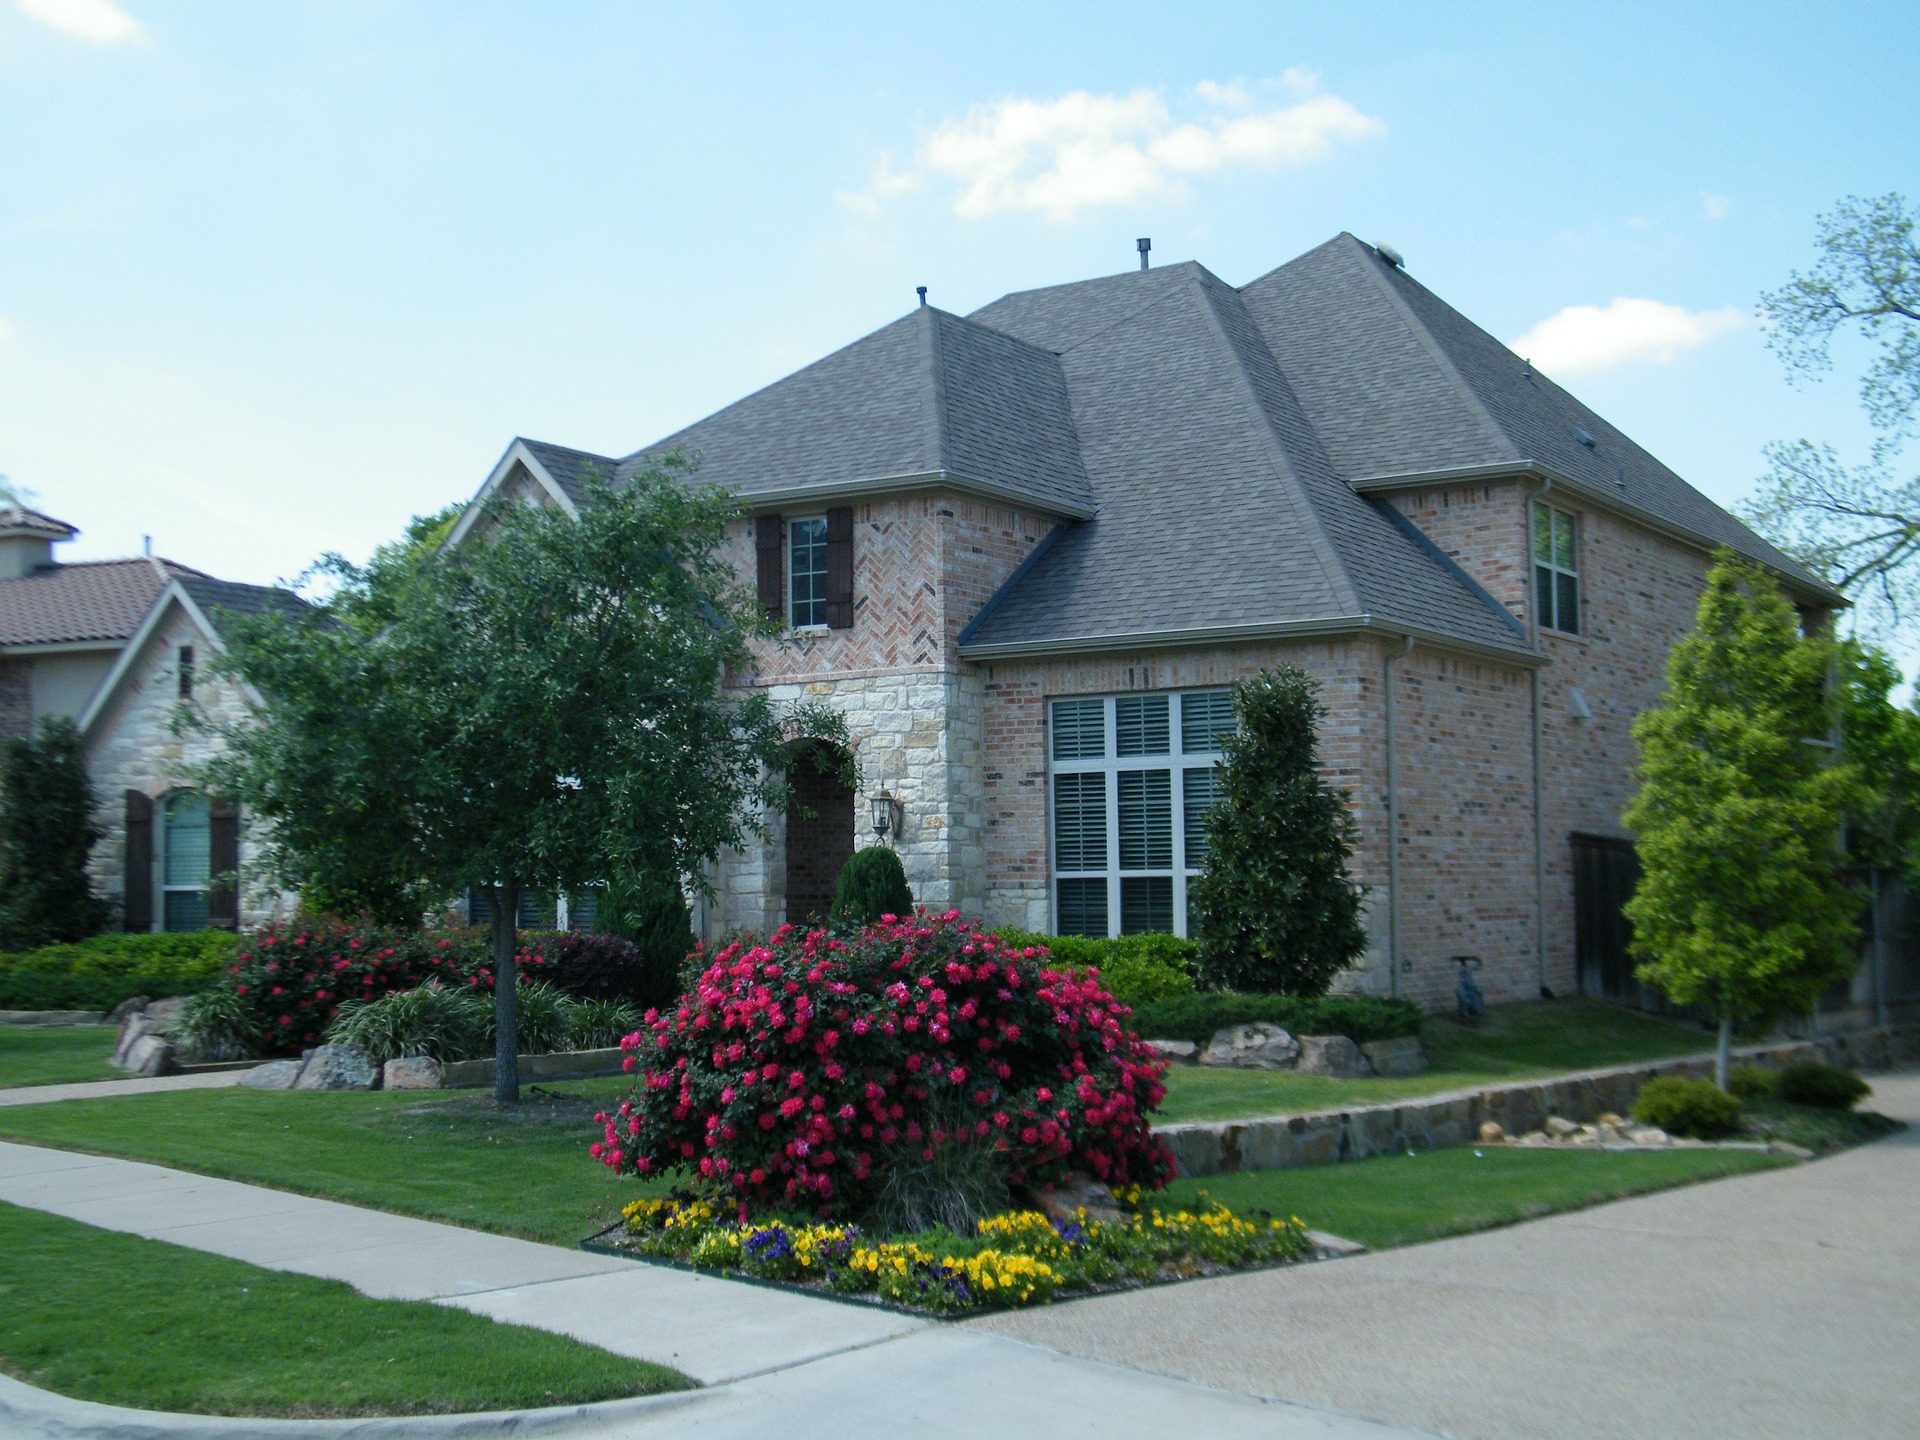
[(223, 843), (772, 565), (137, 906), (840, 568)]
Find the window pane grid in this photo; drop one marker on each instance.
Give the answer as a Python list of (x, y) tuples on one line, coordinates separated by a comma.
[(807, 569), (1128, 834), (1556, 582)]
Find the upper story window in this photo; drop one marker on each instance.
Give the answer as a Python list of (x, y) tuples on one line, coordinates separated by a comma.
[(1133, 779), (807, 572), (186, 672), (1556, 569)]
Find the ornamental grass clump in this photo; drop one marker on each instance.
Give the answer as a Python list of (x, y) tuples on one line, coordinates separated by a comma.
[(816, 1071)]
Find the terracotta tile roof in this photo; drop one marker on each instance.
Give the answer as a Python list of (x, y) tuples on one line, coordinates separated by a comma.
[(18, 518), (93, 600)]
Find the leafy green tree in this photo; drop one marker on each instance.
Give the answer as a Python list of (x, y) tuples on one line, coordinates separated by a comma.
[(1276, 910), (541, 707), (648, 911), (1741, 909), (47, 832), (872, 883), (1882, 741), (1858, 525)]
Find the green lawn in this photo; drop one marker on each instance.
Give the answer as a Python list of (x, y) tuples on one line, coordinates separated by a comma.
[(109, 1317), (440, 1155), (1514, 1042), (55, 1054), (1403, 1200)]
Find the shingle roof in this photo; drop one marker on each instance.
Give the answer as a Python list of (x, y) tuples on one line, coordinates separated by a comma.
[(1399, 383), (18, 519), (102, 600), (217, 598), (929, 394), (572, 470), (1218, 507)]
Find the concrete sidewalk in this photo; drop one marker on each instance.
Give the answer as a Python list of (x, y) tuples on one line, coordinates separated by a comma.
[(1779, 1304), (779, 1362), (114, 1089)]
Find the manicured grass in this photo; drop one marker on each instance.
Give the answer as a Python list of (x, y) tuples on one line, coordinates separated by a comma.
[(441, 1156), (1403, 1200), (55, 1054), (1819, 1130), (109, 1317), (1514, 1042)]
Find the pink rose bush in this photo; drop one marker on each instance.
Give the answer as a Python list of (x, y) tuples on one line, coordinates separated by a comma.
[(809, 1071)]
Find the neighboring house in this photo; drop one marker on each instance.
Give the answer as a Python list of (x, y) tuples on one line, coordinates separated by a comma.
[(1025, 552), (118, 646)]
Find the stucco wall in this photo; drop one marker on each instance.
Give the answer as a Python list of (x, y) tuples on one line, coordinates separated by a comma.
[(64, 683)]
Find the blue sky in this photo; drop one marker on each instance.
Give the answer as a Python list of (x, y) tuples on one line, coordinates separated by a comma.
[(274, 277)]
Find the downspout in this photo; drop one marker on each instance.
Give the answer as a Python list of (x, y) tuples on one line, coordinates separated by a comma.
[(1393, 829), (1539, 766)]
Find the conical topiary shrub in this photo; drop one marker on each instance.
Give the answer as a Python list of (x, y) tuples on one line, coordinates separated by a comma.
[(650, 913), (873, 883)]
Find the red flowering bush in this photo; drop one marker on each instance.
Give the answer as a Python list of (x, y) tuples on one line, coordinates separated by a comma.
[(825, 1071)]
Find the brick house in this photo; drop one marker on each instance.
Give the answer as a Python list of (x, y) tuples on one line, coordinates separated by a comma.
[(1025, 550), (117, 646)]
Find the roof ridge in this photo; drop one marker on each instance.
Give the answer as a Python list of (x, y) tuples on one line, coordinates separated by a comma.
[(936, 363), (1337, 577), (1418, 328)]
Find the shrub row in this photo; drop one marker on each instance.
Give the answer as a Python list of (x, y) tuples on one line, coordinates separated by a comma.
[(99, 972), (1196, 1016), (1806, 1082), (1133, 969)]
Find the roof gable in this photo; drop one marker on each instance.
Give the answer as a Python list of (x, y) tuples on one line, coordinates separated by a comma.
[(90, 601)]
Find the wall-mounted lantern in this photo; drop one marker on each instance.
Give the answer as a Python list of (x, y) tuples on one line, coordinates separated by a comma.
[(886, 814)]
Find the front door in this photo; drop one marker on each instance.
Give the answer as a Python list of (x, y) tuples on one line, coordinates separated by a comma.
[(819, 833), (1605, 871)]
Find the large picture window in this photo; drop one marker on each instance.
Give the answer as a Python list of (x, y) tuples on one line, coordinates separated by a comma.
[(1556, 570), (807, 572), (1132, 779)]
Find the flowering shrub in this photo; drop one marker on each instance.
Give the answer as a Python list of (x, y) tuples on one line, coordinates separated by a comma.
[(1020, 1258), (879, 1071)]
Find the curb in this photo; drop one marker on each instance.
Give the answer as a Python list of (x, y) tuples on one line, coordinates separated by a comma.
[(26, 1410)]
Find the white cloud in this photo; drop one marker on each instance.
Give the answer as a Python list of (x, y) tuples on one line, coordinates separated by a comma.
[(99, 22), (1626, 331), (886, 182), (1714, 207), (1082, 151)]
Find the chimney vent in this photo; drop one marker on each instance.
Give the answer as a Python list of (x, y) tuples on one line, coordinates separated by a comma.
[(921, 291), (1143, 245)]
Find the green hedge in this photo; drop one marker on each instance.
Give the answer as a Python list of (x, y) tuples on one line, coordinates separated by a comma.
[(1134, 968), (1195, 1016), (98, 973)]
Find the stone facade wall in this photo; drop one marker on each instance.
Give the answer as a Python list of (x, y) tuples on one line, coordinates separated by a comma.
[(132, 747), (16, 696)]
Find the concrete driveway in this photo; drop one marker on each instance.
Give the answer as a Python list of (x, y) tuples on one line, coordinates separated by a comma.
[(1781, 1304)]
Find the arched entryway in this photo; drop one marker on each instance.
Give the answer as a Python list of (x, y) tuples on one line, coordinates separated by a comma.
[(819, 830)]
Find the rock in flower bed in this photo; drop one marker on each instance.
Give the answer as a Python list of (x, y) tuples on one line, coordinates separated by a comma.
[(1020, 1257)]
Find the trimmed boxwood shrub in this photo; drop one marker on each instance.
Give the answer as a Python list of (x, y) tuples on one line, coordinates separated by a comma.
[(1133, 969), (1753, 1082), (872, 883), (1698, 1108), (906, 1075), (99, 972), (1809, 1082), (1361, 1018)]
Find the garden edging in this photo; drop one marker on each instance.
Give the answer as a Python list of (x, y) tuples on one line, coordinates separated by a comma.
[(564, 1065), (1430, 1122)]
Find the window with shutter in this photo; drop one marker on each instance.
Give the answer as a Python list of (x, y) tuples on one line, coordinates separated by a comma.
[(136, 905), (1129, 821), (770, 572), (807, 572), (186, 861), (840, 568)]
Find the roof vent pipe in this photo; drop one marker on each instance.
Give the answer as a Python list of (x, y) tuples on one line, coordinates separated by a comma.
[(921, 291), (1143, 245), (1392, 256)]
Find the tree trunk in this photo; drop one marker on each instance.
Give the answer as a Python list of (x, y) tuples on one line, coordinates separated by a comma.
[(1721, 1053), (506, 1007)]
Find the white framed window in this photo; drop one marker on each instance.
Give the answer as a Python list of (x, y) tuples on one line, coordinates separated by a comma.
[(1556, 569), (807, 572), (1132, 778), (186, 860)]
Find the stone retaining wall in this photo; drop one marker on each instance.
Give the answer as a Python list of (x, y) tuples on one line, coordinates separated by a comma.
[(1429, 1122), (567, 1065)]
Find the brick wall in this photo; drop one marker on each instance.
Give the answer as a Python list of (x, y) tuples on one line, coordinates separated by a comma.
[(1483, 529)]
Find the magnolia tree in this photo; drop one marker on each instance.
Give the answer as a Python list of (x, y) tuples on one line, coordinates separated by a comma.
[(539, 708), (1741, 909)]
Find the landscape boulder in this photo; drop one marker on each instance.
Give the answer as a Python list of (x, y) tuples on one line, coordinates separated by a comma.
[(164, 1015), (133, 1029), (149, 1054), (1063, 1201), (1260, 1045), (133, 1005), (411, 1072), (337, 1067), (1402, 1056), (1333, 1055), (274, 1075), (1181, 1052)]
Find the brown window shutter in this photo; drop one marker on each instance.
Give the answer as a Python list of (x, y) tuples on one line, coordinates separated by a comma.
[(136, 907), (223, 840), (772, 565), (840, 568)]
